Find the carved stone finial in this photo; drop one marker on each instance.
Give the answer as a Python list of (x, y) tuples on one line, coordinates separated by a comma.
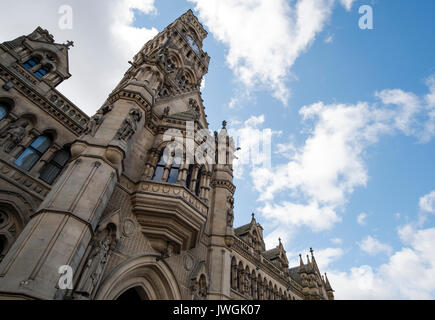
[(69, 44), (224, 124), (96, 121)]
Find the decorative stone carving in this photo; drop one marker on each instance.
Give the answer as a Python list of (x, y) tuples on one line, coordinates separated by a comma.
[(128, 227), (129, 126), (230, 212), (13, 136), (164, 60), (199, 287), (166, 111), (193, 106), (95, 264), (96, 121), (189, 262)]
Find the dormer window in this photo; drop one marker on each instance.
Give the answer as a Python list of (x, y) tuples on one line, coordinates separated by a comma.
[(41, 72), (38, 66), (31, 63)]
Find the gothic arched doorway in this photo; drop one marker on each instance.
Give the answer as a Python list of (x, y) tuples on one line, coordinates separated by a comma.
[(133, 294), (149, 280)]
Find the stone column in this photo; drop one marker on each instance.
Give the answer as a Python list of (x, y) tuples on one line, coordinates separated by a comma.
[(194, 178)]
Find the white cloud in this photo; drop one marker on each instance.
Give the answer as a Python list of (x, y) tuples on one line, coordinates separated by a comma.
[(361, 219), (336, 240), (427, 203), (314, 185), (296, 215), (104, 40), (373, 246), (326, 257), (264, 37), (347, 4), (409, 273), (255, 145)]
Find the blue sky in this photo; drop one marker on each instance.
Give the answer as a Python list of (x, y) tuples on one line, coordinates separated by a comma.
[(351, 111)]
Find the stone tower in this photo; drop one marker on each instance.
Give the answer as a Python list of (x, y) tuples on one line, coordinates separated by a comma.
[(136, 202)]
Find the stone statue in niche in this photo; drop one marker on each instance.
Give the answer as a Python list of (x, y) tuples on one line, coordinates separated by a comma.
[(193, 106), (13, 136), (166, 111), (95, 265), (129, 126), (96, 121), (194, 289), (164, 60), (230, 211), (202, 292), (198, 288)]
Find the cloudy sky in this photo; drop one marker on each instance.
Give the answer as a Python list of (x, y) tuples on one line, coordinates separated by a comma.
[(350, 113)]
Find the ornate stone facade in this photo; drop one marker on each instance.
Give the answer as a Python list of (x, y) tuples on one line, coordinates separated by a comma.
[(114, 198)]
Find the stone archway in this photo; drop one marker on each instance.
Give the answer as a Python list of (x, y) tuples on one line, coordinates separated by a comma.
[(133, 294), (141, 277)]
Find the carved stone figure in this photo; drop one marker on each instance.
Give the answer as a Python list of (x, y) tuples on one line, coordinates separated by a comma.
[(194, 289), (96, 121), (129, 126), (202, 292), (14, 135), (163, 58), (94, 267), (230, 211), (193, 106), (166, 111)]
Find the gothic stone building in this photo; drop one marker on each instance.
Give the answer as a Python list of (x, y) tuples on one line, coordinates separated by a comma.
[(95, 208)]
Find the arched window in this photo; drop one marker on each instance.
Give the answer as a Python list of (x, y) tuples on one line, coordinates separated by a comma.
[(160, 169), (175, 169), (33, 153), (189, 176), (10, 228), (52, 169), (3, 111), (34, 62), (233, 275)]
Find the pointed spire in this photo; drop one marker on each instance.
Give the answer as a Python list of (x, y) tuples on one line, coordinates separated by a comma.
[(327, 284), (309, 266), (301, 265), (253, 217), (313, 260)]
